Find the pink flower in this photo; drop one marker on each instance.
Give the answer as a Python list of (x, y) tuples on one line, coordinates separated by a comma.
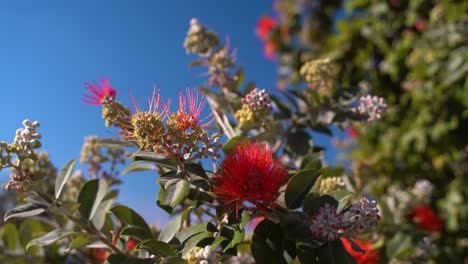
[(98, 92), (264, 26), (190, 118), (250, 175), (369, 257)]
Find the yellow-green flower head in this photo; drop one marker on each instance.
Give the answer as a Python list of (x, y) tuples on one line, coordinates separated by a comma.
[(200, 40)]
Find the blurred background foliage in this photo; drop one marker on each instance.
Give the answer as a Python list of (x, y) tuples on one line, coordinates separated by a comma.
[(415, 55)]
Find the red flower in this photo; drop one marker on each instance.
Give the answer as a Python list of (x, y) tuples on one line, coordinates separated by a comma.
[(352, 132), (269, 49), (99, 92), (426, 218), (101, 255), (131, 243), (190, 119), (369, 257), (250, 175), (420, 25), (264, 26)]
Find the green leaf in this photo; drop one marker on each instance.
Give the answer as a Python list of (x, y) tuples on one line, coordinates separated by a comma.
[(120, 259), (267, 242), (298, 187), (298, 141), (193, 230), (343, 197), (51, 237), (217, 241), (148, 156), (194, 240), (91, 196), (355, 246), (136, 232), (171, 228), (237, 237), (173, 260), (10, 236), (25, 210), (173, 195), (399, 245), (155, 158), (231, 144), (100, 216), (63, 176), (313, 202), (334, 252), (81, 241), (30, 229), (139, 166), (195, 171), (115, 143), (158, 248), (66, 208), (129, 217)]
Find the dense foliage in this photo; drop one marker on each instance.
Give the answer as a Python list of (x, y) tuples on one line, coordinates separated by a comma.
[(415, 55)]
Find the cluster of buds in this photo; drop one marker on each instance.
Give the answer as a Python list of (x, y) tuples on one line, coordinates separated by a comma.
[(205, 255), (19, 179), (318, 74), (187, 147), (94, 155), (256, 107), (27, 139), (222, 60), (360, 218), (199, 39), (180, 135), (371, 106), (422, 190), (330, 184)]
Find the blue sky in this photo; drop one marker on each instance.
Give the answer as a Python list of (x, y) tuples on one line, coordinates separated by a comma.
[(48, 49)]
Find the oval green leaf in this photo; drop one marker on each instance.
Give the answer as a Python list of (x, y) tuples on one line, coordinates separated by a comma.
[(62, 178)]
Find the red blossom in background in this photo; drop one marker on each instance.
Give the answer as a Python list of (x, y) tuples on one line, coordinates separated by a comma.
[(98, 92), (369, 257), (269, 49), (131, 243), (250, 174), (101, 255), (426, 218), (264, 26), (352, 132)]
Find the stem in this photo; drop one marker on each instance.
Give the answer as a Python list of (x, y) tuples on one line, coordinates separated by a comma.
[(93, 230), (88, 229)]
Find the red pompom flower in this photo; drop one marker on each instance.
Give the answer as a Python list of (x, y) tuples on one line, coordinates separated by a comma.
[(426, 218), (369, 257), (98, 92), (264, 26), (251, 176)]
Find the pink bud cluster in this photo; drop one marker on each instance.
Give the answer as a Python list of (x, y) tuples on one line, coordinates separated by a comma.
[(360, 218), (372, 106), (258, 100)]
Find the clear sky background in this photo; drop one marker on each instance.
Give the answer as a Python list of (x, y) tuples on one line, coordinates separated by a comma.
[(48, 49)]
